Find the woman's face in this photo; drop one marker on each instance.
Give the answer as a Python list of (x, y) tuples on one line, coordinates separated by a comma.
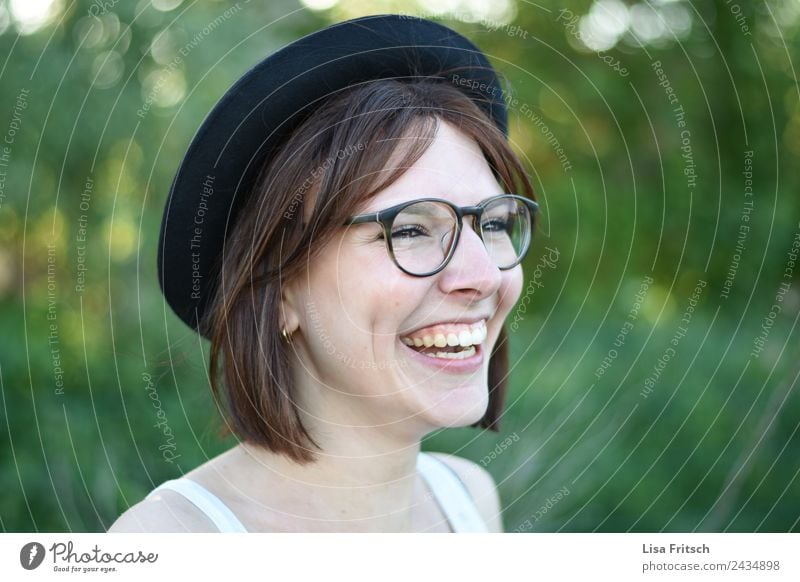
[(355, 311)]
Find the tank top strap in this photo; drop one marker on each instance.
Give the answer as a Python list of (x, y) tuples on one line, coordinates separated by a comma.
[(449, 491), (211, 505), (451, 494)]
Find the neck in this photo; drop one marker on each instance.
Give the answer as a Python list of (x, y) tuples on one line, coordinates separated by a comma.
[(363, 481), (364, 478)]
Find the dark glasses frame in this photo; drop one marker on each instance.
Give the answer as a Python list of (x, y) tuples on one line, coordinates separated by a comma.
[(386, 218)]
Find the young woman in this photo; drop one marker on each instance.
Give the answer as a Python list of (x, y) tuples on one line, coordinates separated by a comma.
[(347, 229)]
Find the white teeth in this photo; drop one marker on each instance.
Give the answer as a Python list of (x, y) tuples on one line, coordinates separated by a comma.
[(463, 354), (465, 339), (475, 335)]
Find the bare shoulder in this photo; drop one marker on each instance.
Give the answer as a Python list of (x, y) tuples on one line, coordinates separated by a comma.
[(481, 486), (164, 512), (167, 511)]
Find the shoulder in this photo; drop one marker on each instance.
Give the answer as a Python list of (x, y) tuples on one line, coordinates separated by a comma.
[(164, 512), (481, 486)]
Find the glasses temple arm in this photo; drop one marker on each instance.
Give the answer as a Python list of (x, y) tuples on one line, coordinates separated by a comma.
[(362, 218)]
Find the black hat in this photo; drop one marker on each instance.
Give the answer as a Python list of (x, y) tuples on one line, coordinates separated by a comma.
[(220, 167)]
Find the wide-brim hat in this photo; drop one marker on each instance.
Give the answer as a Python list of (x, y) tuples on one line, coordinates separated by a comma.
[(260, 110)]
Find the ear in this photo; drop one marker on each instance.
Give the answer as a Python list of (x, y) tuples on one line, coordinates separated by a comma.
[(291, 306)]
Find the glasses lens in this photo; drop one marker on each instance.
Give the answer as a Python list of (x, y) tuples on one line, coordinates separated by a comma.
[(422, 235), (506, 230)]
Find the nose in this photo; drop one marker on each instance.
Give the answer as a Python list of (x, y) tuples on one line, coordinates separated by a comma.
[(470, 270)]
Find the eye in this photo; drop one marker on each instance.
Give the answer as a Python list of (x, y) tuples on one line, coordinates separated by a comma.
[(496, 225), (408, 231), (405, 232)]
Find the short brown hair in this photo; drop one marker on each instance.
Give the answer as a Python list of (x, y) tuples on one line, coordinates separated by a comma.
[(270, 242)]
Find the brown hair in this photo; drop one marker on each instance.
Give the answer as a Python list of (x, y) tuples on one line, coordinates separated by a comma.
[(270, 242)]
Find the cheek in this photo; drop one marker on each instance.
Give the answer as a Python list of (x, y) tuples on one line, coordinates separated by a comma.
[(363, 295), (510, 289)]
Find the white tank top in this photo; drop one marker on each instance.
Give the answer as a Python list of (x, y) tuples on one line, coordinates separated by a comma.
[(448, 490)]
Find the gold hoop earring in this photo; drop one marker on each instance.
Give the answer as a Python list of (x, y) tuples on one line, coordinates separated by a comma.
[(286, 336)]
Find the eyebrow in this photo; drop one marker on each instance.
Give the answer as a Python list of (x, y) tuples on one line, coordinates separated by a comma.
[(412, 210)]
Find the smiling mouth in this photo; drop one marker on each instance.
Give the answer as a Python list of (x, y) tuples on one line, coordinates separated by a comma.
[(448, 341)]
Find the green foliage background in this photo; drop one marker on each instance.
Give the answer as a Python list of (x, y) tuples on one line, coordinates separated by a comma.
[(714, 445)]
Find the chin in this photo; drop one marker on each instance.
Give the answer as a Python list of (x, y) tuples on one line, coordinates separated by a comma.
[(458, 407)]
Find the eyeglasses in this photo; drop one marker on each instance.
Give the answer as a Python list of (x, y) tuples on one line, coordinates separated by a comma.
[(422, 235)]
